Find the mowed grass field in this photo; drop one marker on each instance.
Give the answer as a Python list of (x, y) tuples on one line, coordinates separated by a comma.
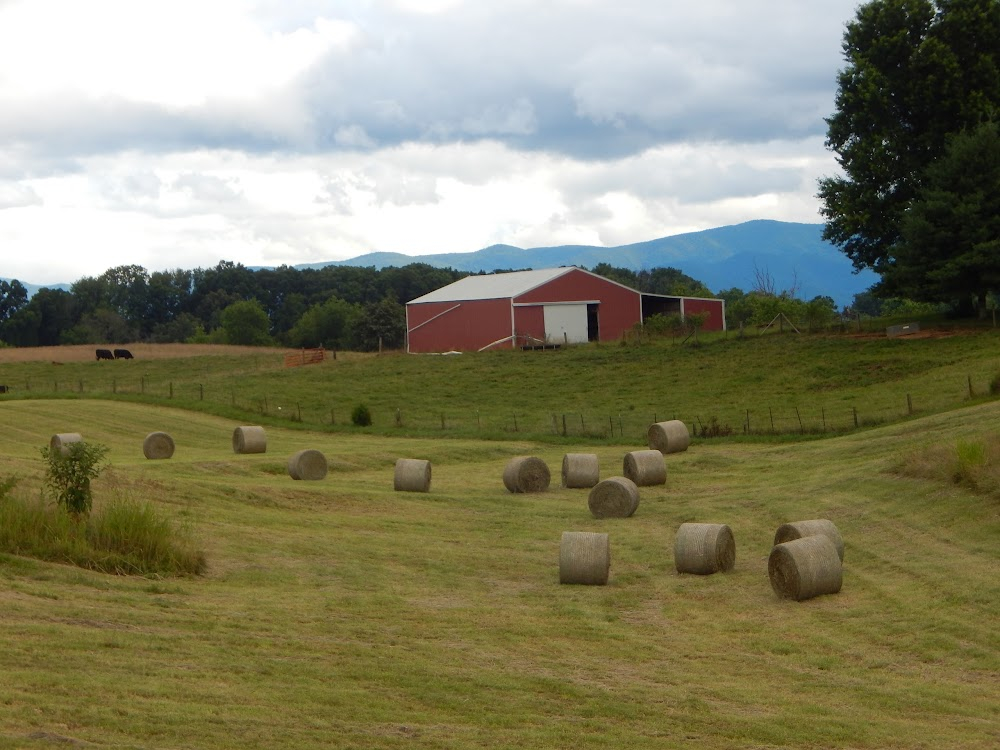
[(339, 613)]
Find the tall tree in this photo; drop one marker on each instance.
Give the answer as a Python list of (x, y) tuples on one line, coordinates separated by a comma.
[(917, 71), (950, 244)]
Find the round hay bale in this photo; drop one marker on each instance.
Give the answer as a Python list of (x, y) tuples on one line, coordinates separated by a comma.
[(668, 437), (704, 548), (645, 468), (584, 557), (804, 568), (526, 474), (307, 464), (249, 440), (615, 497), (60, 441), (798, 529), (158, 445), (412, 475), (580, 470)]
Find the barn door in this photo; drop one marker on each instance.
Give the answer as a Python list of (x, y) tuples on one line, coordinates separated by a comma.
[(566, 324)]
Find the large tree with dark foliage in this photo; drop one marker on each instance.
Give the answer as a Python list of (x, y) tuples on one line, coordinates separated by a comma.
[(918, 72)]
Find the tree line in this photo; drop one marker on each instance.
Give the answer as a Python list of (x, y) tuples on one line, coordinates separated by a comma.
[(339, 307)]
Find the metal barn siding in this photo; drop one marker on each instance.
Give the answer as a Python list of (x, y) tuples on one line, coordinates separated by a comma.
[(457, 326), (716, 309), (618, 309), (529, 324)]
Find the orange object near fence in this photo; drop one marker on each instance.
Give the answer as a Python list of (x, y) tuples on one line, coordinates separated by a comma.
[(304, 357)]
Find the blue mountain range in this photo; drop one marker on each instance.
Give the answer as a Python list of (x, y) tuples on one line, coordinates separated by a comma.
[(793, 256)]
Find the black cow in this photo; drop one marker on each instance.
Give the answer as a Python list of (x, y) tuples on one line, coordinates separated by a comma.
[(123, 354), (105, 354), (4, 389)]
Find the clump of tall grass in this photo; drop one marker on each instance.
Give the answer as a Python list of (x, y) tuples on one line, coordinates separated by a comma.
[(122, 537), (971, 463)]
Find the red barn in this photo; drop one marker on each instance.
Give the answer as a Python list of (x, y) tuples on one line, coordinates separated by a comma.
[(530, 308)]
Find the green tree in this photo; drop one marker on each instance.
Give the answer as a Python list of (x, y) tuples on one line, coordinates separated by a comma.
[(330, 324), (917, 71), (950, 245), (13, 296), (381, 322), (68, 471), (245, 323)]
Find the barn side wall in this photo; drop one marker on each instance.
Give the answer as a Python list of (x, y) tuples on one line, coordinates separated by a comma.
[(619, 308), (529, 324), (714, 307), (457, 326)]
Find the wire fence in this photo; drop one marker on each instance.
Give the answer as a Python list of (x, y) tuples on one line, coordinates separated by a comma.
[(759, 418)]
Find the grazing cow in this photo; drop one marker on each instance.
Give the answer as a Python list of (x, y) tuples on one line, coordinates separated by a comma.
[(105, 354), (123, 354), (4, 389)]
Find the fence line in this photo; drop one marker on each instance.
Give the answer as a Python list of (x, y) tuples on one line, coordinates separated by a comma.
[(759, 418)]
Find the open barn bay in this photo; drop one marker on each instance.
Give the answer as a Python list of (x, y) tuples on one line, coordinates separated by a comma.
[(340, 613)]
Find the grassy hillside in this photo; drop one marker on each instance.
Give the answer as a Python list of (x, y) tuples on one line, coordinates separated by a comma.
[(770, 384), (341, 614)]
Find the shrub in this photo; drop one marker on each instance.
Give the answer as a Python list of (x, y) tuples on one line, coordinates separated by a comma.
[(361, 416), (69, 471)]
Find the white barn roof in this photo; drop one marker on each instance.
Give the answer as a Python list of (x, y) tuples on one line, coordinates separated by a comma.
[(492, 286)]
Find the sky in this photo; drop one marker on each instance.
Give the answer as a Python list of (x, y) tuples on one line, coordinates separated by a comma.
[(181, 133)]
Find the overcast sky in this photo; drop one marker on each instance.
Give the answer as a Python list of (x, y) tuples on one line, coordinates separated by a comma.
[(176, 134)]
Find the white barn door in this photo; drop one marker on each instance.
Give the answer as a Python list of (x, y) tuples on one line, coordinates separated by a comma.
[(566, 324)]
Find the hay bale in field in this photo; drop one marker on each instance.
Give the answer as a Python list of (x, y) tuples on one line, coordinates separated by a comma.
[(526, 474), (249, 440), (798, 529), (307, 464), (580, 470), (668, 437), (615, 497), (61, 441), (412, 475), (645, 468), (584, 557), (804, 568), (704, 548), (158, 445)]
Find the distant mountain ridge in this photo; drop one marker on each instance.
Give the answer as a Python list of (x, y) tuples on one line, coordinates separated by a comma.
[(793, 255)]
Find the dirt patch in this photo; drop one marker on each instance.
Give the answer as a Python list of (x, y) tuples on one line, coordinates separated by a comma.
[(85, 352)]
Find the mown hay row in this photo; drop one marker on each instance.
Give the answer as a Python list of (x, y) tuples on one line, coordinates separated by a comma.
[(584, 558), (412, 475), (158, 445), (61, 441), (668, 437), (704, 548), (249, 439), (645, 468), (580, 470), (526, 474), (307, 464), (804, 568), (615, 497), (798, 529)]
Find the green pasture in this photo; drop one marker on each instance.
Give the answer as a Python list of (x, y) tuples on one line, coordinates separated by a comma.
[(785, 384), (339, 613)]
